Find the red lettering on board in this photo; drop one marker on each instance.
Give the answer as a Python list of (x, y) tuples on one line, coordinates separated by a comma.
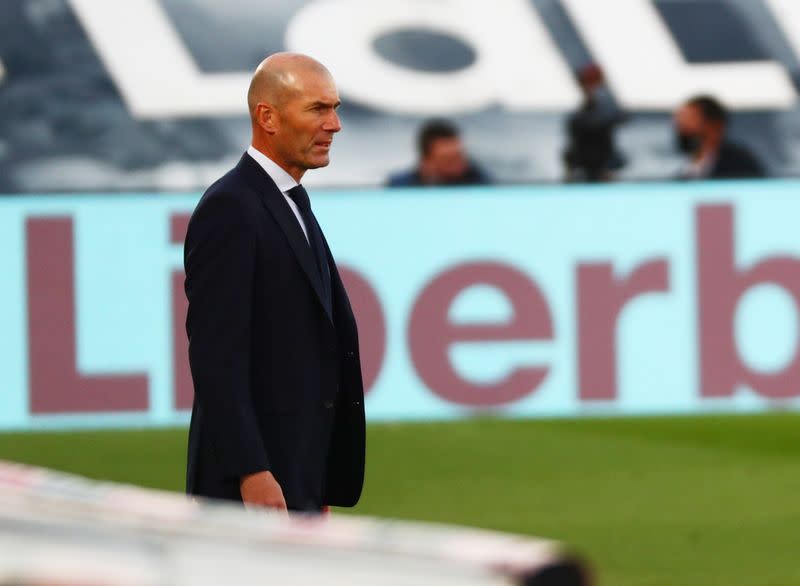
[(601, 299), (721, 284), (181, 375), (431, 333), (55, 384)]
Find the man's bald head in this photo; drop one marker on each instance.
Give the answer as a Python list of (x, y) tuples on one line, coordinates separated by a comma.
[(293, 101), (280, 76)]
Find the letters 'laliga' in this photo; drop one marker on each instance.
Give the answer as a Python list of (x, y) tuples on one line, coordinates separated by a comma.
[(161, 79)]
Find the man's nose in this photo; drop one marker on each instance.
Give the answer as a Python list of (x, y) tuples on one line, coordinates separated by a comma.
[(332, 123)]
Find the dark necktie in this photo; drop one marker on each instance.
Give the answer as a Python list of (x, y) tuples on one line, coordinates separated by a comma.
[(300, 197)]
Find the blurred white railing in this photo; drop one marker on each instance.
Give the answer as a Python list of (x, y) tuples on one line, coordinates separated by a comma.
[(61, 529)]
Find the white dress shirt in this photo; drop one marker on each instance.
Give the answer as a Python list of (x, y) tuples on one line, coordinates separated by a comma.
[(282, 179)]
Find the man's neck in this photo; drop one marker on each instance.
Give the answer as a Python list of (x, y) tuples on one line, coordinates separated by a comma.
[(264, 148), (709, 149)]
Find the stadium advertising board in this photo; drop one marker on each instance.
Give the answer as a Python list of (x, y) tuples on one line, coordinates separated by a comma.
[(520, 301)]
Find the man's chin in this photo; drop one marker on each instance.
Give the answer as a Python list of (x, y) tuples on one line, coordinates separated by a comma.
[(317, 163)]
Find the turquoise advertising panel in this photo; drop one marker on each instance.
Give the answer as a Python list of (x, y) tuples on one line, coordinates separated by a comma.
[(517, 301)]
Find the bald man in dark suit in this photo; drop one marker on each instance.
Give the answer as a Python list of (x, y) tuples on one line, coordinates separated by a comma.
[(278, 415)]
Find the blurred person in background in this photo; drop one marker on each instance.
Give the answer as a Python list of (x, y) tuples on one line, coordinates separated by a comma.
[(700, 133), (278, 414), (442, 160), (591, 154)]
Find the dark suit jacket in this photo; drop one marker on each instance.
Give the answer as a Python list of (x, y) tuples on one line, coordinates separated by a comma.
[(735, 162), (277, 379), (473, 176)]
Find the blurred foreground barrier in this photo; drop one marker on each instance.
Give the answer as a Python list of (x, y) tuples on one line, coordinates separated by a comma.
[(59, 529)]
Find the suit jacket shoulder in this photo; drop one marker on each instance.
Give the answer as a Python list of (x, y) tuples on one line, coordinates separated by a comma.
[(736, 161), (230, 197)]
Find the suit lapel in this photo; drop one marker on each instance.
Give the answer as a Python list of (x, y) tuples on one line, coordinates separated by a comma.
[(276, 204), (338, 292)]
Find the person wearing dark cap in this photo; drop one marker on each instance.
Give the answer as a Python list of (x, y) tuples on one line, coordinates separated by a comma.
[(700, 132), (591, 154), (442, 160)]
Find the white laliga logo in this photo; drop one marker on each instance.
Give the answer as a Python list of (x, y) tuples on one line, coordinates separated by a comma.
[(647, 71), (517, 66), (150, 64), (787, 15)]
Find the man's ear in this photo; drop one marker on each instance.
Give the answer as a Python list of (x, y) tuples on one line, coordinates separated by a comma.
[(267, 117)]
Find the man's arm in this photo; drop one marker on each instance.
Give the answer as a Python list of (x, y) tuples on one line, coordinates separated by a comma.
[(220, 253)]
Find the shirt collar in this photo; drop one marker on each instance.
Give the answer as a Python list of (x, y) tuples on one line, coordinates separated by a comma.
[(282, 179)]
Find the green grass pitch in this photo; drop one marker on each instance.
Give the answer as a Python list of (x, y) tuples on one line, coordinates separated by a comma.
[(700, 501)]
